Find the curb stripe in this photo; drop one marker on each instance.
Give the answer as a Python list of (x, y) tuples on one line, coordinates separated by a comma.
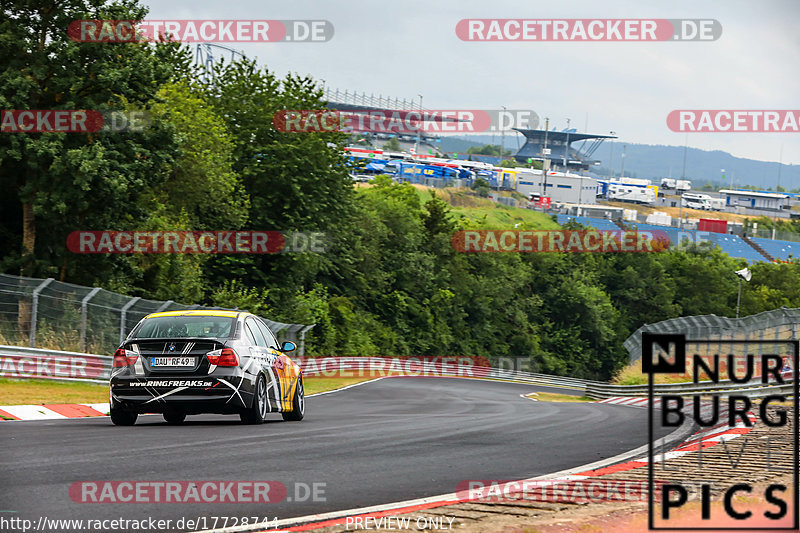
[(73, 410)]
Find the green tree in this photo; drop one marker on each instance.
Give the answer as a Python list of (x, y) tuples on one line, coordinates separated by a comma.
[(489, 149), (65, 181), (393, 145), (296, 181)]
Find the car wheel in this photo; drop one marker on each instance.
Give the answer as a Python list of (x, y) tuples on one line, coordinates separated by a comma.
[(298, 404), (121, 417), (174, 417), (256, 413)]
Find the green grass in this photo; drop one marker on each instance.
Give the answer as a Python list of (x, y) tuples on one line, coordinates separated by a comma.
[(486, 213), (633, 375), (554, 397), (39, 392), (314, 385), (503, 217)]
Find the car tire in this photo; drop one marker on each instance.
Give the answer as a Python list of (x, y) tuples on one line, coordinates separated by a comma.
[(174, 417), (122, 417), (256, 413), (298, 404)]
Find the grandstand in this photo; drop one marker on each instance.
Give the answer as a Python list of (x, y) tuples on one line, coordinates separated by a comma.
[(778, 249), (562, 154), (732, 245), (597, 223)]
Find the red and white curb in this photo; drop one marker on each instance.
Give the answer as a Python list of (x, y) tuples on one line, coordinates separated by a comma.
[(700, 440), (60, 411), (55, 411)]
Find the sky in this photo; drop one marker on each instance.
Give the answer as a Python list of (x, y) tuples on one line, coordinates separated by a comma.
[(409, 48)]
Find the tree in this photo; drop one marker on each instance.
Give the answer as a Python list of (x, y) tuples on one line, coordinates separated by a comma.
[(489, 149), (296, 181), (62, 181), (393, 145)]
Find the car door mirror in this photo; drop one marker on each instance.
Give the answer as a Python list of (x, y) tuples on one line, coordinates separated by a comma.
[(288, 346)]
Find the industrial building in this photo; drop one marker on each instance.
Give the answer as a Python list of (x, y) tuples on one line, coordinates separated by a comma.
[(756, 200), (560, 187)]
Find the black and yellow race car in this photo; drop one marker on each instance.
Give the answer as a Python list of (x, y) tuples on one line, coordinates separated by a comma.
[(180, 363)]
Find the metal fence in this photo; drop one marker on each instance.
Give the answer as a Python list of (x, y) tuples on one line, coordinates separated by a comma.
[(46, 312), (766, 233), (19, 362), (751, 333)]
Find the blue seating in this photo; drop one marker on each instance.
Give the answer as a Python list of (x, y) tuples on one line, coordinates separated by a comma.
[(732, 245), (597, 223), (778, 249)]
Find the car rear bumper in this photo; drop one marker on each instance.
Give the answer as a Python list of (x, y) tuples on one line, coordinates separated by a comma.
[(190, 394)]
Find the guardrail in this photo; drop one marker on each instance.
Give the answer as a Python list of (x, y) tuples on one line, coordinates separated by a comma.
[(21, 362)]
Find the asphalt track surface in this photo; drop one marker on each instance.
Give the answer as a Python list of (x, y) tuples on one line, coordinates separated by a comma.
[(385, 441)]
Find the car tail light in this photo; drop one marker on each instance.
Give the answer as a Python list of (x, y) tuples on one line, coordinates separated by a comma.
[(123, 358), (223, 357)]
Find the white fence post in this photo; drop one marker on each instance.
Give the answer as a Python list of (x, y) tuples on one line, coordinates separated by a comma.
[(35, 309), (84, 305)]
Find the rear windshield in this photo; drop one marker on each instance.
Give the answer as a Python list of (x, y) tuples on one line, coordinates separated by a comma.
[(170, 327)]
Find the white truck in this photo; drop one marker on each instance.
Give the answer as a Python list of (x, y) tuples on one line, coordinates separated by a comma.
[(677, 185), (631, 193), (693, 200)]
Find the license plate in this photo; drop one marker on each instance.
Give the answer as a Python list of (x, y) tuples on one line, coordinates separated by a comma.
[(172, 361)]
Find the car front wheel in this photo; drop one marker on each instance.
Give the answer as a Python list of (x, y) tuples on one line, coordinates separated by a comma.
[(298, 404)]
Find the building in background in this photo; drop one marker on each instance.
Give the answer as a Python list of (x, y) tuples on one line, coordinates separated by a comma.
[(756, 200)]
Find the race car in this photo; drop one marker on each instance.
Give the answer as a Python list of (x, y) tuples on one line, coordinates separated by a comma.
[(180, 363)]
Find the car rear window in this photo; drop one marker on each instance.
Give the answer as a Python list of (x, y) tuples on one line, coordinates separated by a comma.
[(170, 327)]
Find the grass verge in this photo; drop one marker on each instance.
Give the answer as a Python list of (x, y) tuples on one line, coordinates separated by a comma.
[(554, 397), (39, 392), (42, 391)]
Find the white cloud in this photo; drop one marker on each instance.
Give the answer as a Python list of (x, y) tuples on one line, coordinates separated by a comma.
[(407, 48)]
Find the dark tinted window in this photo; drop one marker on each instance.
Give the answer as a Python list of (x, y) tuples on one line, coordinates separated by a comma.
[(260, 340), (271, 340), (249, 335), (171, 327)]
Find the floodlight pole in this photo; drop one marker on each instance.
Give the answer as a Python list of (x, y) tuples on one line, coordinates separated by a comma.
[(545, 159), (739, 298)]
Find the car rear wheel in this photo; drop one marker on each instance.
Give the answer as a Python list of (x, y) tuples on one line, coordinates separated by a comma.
[(256, 413), (174, 417), (298, 404), (121, 417)]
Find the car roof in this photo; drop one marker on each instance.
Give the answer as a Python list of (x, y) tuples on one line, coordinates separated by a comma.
[(199, 312)]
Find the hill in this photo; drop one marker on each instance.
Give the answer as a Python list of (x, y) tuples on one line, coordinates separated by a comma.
[(662, 161)]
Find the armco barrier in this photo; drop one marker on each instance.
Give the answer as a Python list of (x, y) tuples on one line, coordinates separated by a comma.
[(20, 362)]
